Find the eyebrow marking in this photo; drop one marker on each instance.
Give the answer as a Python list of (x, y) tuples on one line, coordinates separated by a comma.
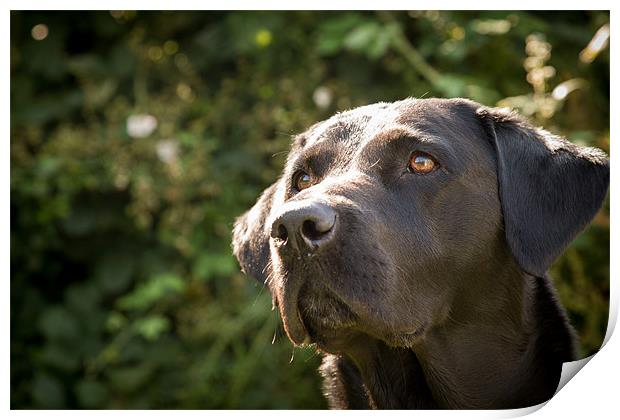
[(395, 133), (418, 138)]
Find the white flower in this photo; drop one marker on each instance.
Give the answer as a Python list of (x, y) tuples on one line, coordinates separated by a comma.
[(167, 150), (322, 97), (141, 125)]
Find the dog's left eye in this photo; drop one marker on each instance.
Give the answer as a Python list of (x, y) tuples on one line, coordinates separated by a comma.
[(421, 163), (301, 180)]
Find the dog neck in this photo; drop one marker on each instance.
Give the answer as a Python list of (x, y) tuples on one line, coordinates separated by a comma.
[(496, 359)]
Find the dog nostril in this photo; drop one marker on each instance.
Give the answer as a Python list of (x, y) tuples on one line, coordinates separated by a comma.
[(282, 233), (311, 231)]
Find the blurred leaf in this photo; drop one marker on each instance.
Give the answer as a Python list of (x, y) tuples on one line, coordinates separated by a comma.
[(80, 221), (56, 356), (48, 107), (453, 85), (360, 38), (152, 327), (491, 26), (82, 298), (57, 323), (91, 394), (332, 32), (148, 293), (89, 65), (130, 379), (211, 265), (48, 392), (115, 321), (114, 271), (48, 165)]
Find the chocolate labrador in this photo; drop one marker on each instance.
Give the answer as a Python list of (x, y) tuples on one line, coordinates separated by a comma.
[(409, 241)]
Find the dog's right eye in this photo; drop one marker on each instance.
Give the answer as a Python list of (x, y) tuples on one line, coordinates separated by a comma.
[(421, 163), (301, 180)]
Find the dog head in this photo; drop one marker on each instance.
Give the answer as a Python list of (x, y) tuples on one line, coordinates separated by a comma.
[(387, 215)]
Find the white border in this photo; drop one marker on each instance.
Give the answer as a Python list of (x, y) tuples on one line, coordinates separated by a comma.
[(592, 393), (305, 5)]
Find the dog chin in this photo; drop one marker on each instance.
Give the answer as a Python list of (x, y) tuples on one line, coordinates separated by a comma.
[(314, 315), (327, 333), (333, 327)]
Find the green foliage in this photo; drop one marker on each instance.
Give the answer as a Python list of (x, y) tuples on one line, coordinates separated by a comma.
[(137, 137)]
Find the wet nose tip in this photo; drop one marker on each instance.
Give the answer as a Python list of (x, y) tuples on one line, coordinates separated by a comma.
[(323, 222), (312, 224)]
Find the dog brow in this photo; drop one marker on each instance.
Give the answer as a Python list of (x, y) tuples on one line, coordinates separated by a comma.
[(395, 133)]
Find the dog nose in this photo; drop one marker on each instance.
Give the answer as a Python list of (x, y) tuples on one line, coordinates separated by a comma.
[(312, 224)]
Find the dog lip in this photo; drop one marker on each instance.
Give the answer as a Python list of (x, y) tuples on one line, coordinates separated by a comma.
[(292, 320), (295, 329)]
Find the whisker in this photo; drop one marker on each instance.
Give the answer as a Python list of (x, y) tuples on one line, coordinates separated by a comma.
[(279, 153), (284, 133)]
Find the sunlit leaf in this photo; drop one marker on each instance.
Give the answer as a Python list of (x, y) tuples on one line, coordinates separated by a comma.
[(148, 293), (152, 327)]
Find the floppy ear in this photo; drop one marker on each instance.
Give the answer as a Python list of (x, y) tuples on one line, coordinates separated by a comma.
[(250, 239), (549, 188)]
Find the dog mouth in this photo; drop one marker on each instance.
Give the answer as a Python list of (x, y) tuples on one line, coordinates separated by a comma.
[(314, 310), (314, 314)]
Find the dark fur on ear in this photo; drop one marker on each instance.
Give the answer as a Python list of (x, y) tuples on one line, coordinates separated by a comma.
[(549, 188), (250, 239)]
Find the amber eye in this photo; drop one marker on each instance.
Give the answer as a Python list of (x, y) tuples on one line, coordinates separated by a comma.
[(421, 163), (302, 180)]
